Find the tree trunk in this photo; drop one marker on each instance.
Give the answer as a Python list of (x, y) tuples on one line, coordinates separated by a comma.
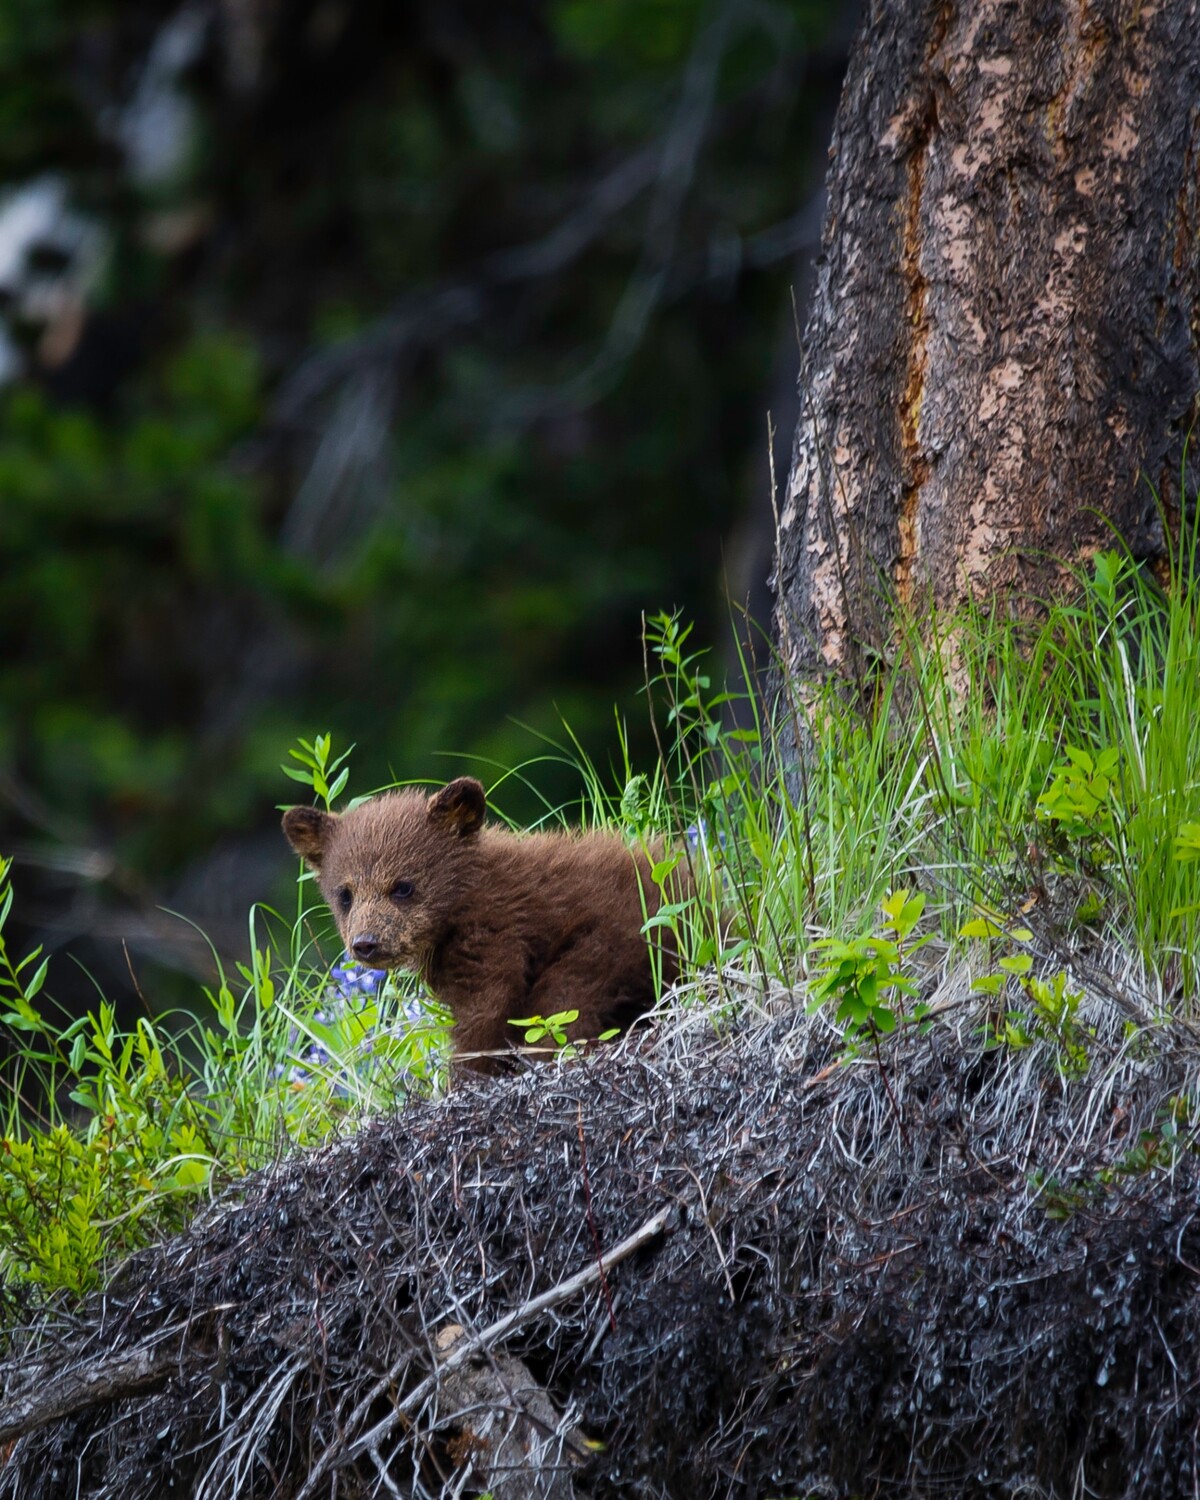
[(1004, 337)]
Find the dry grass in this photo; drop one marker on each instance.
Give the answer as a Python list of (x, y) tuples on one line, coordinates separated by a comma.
[(942, 1278)]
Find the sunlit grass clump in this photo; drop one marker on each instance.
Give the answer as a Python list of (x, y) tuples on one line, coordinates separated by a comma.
[(1004, 787), (111, 1134), (1044, 771)]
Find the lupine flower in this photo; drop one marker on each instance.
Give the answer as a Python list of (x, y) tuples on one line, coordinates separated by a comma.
[(351, 978), (351, 985), (698, 839)]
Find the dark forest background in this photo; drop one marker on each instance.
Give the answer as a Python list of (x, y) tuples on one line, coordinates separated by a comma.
[(368, 367)]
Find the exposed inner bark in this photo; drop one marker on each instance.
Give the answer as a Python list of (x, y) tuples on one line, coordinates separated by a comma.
[(1003, 351)]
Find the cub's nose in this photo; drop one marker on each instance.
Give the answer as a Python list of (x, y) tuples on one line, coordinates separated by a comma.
[(366, 946)]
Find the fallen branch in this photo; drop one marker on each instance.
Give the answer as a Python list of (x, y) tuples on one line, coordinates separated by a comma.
[(72, 1390)]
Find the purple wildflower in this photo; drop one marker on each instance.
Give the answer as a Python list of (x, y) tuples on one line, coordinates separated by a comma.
[(351, 986), (351, 978), (699, 839)]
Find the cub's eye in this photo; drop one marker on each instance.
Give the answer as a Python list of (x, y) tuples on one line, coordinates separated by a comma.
[(402, 890), (345, 898)]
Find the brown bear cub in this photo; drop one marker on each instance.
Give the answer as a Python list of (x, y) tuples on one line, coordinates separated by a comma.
[(499, 925)]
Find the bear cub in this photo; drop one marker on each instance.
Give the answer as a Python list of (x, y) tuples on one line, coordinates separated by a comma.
[(499, 925)]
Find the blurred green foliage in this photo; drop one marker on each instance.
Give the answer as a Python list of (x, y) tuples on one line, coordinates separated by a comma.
[(187, 588)]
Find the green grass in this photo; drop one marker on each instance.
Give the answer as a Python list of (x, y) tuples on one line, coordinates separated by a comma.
[(997, 775), (110, 1136), (1051, 766)]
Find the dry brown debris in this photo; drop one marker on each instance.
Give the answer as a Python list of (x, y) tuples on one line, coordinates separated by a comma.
[(955, 1281)]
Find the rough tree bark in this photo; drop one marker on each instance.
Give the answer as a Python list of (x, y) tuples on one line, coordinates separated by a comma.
[(1004, 338)]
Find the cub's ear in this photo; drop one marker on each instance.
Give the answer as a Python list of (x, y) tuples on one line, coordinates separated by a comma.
[(308, 830), (458, 808)]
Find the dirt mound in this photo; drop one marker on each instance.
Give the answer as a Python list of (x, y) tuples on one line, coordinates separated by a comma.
[(947, 1270)]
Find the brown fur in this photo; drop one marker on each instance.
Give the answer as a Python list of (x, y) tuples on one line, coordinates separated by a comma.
[(499, 925)]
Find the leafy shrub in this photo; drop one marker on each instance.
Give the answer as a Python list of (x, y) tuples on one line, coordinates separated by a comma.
[(112, 1136)]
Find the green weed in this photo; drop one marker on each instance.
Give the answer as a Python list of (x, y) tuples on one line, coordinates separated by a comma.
[(112, 1133), (538, 1028)]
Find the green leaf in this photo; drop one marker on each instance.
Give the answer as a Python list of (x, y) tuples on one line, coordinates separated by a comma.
[(1018, 963), (981, 927), (18, 1022), (1187, 841), (35, 984)]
